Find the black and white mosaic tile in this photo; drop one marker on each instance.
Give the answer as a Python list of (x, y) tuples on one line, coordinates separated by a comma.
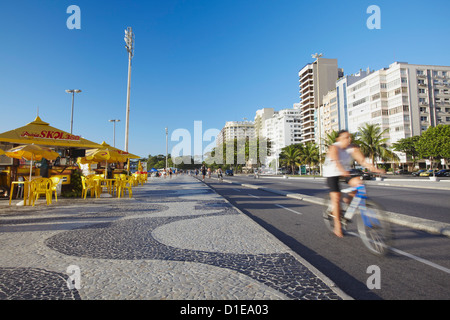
[(34, 284), (132, 239)]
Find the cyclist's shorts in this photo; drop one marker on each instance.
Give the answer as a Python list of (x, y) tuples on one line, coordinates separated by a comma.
[(333, 182)]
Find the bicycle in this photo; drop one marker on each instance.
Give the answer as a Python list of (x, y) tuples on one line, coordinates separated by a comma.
[(373, 224)]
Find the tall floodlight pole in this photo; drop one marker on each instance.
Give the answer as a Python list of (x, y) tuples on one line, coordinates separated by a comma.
[(114, 134), (317, 56), (167, 147), (72, 91), (129, 41)]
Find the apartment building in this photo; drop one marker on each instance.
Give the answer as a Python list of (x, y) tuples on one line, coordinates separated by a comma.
[(283, 129), (260, 118), (329, 114), (315, 79), (236, 129), (403, 99), (341, 95)]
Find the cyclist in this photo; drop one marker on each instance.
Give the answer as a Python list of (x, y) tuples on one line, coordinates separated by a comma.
[(219, 174), (337, 165)]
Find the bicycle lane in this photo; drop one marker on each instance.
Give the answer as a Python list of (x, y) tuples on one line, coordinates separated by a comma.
[(346, 261)]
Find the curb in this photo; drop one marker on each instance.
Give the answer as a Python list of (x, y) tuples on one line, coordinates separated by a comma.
[(430, 226), (313, 269)]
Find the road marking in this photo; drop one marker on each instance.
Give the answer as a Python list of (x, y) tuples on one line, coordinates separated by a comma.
[(429, 263), (280, 206), (411, 256), (236, 190), (254, 196)]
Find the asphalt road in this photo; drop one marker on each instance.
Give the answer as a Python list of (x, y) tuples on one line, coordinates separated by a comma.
[(418, 267)]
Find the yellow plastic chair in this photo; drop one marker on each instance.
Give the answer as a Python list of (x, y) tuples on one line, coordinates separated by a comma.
[(42, 186), (88, 185), (97, 181), (125, 184), (55, 181)]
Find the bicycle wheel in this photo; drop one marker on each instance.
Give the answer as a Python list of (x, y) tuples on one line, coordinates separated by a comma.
[(374, 228)]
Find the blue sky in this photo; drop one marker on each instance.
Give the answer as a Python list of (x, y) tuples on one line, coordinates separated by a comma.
[(195, 60)]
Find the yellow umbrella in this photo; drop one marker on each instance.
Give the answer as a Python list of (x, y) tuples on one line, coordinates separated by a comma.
[(32, 152), (108, 153), (140, 169), (2, 152)]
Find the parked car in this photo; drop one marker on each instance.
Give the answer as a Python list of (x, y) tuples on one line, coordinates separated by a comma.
[(442, 172), (229, 172), (427, 173), (402, 171), (447, 174), (363, 174), (417, 173)]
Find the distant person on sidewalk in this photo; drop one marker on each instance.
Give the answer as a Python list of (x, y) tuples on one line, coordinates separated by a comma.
[(203, 172)]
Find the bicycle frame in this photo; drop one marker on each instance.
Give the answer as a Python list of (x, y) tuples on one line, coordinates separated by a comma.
[(359, 201)]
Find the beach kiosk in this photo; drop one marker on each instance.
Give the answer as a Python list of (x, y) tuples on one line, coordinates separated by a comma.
[(39, 132)]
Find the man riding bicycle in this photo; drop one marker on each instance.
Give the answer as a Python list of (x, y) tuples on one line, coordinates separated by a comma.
[(337, 165)]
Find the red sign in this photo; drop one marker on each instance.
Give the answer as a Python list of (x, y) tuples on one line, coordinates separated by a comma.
[(53, 135)]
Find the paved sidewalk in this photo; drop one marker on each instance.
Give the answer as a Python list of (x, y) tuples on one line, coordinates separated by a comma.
[(176, 239)]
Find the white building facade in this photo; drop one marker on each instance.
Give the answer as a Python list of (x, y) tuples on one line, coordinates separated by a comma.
[(403, 99), (236, 129), (283, 129)]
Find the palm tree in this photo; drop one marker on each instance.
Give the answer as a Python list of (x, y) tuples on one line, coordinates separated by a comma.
[(330, 138), (290, 156), (372, 143), (310, 154)]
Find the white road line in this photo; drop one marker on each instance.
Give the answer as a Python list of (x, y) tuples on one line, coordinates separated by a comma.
[(236, 190), (279, 205), (411, 256), (429, 263), (254, 196)]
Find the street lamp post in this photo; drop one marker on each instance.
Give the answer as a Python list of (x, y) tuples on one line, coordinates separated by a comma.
[(72, 91), (317, 56), (129, 41), (167, 147), (114, 136)]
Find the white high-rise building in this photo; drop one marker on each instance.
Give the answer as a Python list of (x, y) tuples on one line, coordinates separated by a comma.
[(236, 129), (283, 129), (341, 96), (404, 99), (260, 118)]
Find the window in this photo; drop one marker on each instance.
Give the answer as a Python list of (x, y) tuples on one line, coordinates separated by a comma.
[(423, 118), (421, 90)]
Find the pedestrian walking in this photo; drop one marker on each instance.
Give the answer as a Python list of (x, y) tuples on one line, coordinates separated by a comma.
[(203, 172)]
